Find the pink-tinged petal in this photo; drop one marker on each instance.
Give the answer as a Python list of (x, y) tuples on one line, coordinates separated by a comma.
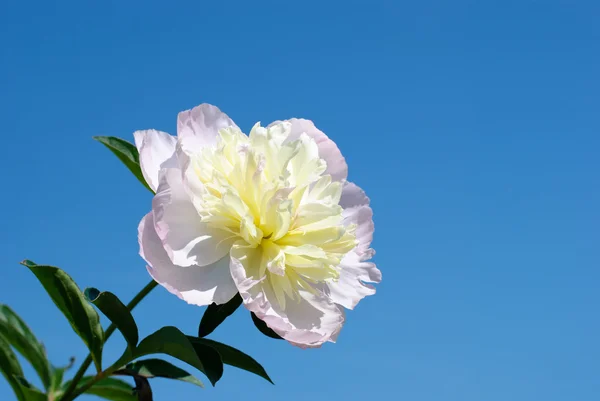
[(355, 203), (191, 182), (155, 148), (186, 239), (198, 285), (199, 126), (355, 271), (353, 196), (307, 323), (328, 150), (350, 287)]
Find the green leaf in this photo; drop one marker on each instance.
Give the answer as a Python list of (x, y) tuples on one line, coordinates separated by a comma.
[(10, 367), (57, 376), (263, 328), (120, 316), (150, 368), (108, 388), (30, 393), (70, 300), (143, 391), (216, 314), (127, 153), (116, 312), (18, 334), (171, 341), (234, 357)]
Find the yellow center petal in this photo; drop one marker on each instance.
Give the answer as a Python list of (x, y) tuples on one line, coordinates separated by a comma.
[(273, 195)]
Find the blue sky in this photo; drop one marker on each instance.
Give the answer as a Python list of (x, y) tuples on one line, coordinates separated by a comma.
[(472, 125)]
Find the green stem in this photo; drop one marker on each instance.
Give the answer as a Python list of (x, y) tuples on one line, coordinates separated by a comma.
[(88, 361)]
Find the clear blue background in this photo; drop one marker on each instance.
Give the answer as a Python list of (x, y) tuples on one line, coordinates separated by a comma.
[(473, 125)]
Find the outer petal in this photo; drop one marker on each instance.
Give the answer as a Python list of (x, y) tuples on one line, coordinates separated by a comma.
[(328, 150), (307, 323), (155, 147), (355, 203), (186, 239), (191, 182), (195, 285), (350, 288), (199, 126)]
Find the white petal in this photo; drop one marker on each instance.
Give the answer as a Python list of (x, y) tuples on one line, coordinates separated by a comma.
[(308, 322), (195, 285), (350, 288), (191, 181), (155, 148), (186, 239), (328, 150), (199, 126), (357, 211), (353, 196)]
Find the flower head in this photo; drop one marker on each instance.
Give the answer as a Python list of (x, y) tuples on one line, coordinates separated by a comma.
[(269, 215)]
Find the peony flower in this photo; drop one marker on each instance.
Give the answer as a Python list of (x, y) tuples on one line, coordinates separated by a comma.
[(269, 215)]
